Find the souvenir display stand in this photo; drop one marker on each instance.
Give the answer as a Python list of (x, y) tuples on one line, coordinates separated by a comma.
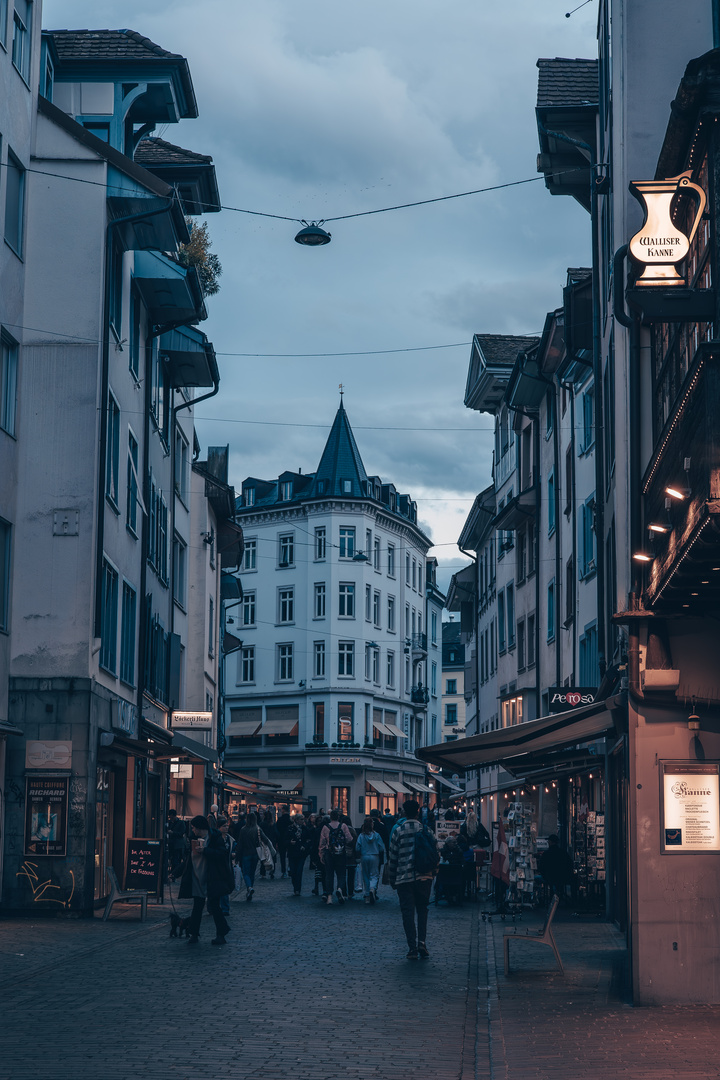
[(521, 835)]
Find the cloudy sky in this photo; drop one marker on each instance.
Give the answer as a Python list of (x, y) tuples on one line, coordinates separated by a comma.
[(316, 109)]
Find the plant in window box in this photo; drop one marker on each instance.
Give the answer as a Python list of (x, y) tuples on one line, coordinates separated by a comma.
[(197, 253)]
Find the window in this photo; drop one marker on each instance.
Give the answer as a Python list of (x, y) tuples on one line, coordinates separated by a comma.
[(22, 32), (510, 601), (3, 24), (108, 617), (586, 539), (530, 640), (531, 549), (286, 549), (159, 393), (8, 383), (158, 538), (5, 532), (347, 543), (609, 411), (247, 664), (286, 491), (116, 284), (346, 486), (451, 714), (376, 608), (182, 467), (375, 657), (451, 686), (134, 348), (319, 724), (319, 607), (285, 662), (433, 628), (132, 484), (407, 674), (368, 542), (391, 614), (376, 553), (128, 634), (521, 645), (319, 660), (551, 503), (391, 560), (414, 574), (345, 726), (569, 591), (588, 656), (112, 450), (551, 611), (520, 556), (346, 658), (549, 413), (346, 600), (501, 621), (340, 799), (248, 609), (433, 679), (211, 627), (250, 556), (368, 603), (286, 605), (588, 416), (179, 571), (407, 567), (391, 668), (250, 496), (320, 543), (568, 480)]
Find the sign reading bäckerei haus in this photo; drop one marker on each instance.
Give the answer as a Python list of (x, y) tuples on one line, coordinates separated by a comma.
[(691, 807), (561, 698), (192, 719)]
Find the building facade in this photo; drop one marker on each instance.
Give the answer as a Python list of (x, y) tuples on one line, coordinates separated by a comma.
[(338, 678)]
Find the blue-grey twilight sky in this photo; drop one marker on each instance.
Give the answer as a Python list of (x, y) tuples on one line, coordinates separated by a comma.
[(319, 108)]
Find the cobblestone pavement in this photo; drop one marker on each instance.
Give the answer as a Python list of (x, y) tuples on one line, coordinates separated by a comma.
[(310, 992)]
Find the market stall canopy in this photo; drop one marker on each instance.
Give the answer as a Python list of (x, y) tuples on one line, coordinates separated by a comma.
[(521, 746), (380, 786)]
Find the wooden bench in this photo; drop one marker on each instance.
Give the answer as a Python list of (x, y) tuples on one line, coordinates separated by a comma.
[(540, 937), (117, 893)]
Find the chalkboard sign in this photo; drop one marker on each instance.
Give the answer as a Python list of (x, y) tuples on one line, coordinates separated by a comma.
[(143, 866)]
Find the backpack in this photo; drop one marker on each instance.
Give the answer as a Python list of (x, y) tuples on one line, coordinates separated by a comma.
[(425, 853), (336, 840), (295, 837)]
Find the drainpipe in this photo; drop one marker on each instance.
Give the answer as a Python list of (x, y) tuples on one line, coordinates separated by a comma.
[(477, 635), (558, 559), (568, 387)]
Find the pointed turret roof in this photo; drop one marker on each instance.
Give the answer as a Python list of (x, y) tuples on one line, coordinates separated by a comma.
[(341, 471)]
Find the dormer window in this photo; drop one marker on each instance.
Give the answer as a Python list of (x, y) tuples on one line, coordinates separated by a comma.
[(286, 490), (346, 487), (250, 496)]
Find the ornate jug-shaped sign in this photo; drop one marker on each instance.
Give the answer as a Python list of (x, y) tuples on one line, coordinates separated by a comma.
[(660, 245)]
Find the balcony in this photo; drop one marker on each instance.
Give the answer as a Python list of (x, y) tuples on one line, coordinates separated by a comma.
[(418, 644), (420, 695), (171, 293)]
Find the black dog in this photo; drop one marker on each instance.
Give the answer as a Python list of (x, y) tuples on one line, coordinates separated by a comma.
[(179, 924)]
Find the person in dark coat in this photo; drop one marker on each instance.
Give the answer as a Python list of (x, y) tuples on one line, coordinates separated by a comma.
[(176, 843), (283, 824), (268, 827), (207, 877), (299, 840), (556, 866)]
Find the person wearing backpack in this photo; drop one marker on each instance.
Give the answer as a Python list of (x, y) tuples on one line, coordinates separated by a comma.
[(412, 866), (333, 841), (299, 839)]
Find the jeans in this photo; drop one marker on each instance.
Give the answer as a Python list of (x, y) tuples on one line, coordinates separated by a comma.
[(370, 866), (225, 904), (282, 852), (414, 896), (296, 863), (249, 866), (351, 872), (335, 865), (221, 924)]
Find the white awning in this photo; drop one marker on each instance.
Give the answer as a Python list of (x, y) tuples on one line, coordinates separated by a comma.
[(416, 785), (288, 783), (280, 725), (380, 786), (243, 727), (447, 783), (395, 730), (382, 728), (400, 788)]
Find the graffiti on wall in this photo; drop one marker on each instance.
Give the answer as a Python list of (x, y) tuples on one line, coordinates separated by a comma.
[(41, 889)]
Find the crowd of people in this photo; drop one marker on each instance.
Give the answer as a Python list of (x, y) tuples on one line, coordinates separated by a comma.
[(222, 856)]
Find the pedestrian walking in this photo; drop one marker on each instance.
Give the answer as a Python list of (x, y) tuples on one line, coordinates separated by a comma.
[(316, 828), (268, 827), (283, 824), (411, 867), (299, 840), (380, 827), (249, 840), (371, 850), (556, 867), (351, 858), (176, 839), (207, 877), (223, 829), (333, 842)]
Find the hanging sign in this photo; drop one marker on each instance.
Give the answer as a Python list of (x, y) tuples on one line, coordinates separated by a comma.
[(660, 244), (192, 719), (691, 807), (562, 698)]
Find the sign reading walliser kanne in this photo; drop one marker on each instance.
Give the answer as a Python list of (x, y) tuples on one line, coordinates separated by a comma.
[(660, 244), (691, 807)]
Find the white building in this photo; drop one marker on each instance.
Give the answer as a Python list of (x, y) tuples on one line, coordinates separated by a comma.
[(338, 677)]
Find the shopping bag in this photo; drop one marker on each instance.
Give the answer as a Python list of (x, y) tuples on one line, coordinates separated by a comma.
[(237, 874)]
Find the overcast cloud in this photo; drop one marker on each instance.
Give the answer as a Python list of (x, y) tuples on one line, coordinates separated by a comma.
[(318, 108)]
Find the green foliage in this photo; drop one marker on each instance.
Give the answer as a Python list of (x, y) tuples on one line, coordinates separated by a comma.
[(197, 253)]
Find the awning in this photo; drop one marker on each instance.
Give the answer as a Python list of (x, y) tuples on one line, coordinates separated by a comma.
[(515, 745), (380, 786), (239, 728), (154, 223), (190, 750), (395, 730), (400, 788), (382, 728), (447, 783), (281, 725), (6, 728), (170, 292), (155, 732), (416, 785), (190, 356), (289, 783), (249, 780)]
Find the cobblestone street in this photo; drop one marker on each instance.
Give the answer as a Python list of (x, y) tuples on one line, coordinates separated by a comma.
[(322, 993)]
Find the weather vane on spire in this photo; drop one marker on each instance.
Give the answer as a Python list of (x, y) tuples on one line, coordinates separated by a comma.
[(342, 390)]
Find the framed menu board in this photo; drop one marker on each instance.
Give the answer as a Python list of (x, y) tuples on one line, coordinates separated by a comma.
[(143, 866), (46, 815), (690, 819)]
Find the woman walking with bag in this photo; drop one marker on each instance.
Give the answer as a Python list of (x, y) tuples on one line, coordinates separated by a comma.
[(370, 848), (299, 839), (250, 839)]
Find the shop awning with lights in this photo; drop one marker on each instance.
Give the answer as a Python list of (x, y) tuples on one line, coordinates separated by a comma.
[(380, 786), (527, 746)]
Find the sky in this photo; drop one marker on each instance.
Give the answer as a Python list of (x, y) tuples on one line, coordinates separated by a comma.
[(313, 109)]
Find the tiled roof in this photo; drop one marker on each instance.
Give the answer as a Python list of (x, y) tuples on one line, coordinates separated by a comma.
[(107, 45), (564, 82), (340, 461), (153, 151), (503, 348)]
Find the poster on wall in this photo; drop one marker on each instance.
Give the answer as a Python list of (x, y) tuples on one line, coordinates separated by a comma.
[(46, 814), (691, 807)]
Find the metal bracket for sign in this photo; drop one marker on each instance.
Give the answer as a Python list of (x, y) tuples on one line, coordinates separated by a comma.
[(657, 304)]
